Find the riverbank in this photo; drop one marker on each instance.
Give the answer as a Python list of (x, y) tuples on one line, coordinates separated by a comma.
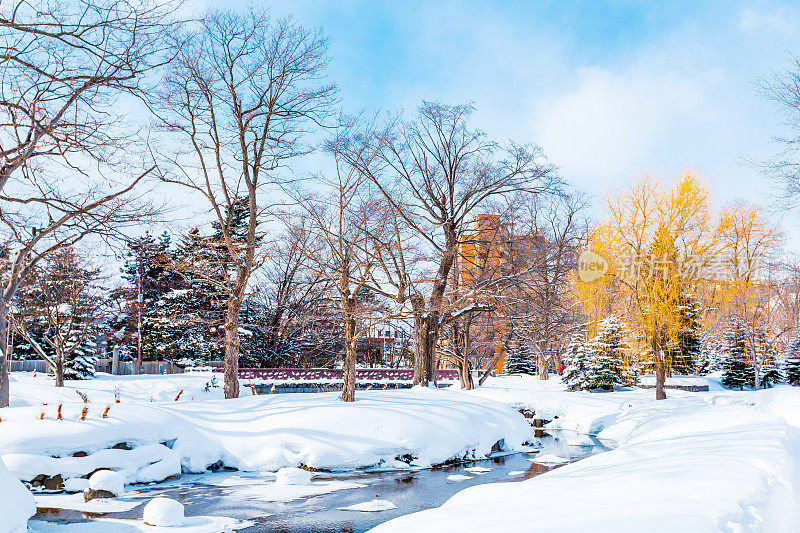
[(163, 426), (713, 461)]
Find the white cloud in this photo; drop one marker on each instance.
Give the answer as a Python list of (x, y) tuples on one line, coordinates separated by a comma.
[(754, 22), (613, 124)]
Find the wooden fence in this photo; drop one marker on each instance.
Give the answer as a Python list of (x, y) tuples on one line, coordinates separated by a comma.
[(104, 365)]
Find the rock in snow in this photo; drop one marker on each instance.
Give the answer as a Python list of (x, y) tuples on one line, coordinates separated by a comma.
[(373, 506), (108, 481), (292, 476), (164, 512)]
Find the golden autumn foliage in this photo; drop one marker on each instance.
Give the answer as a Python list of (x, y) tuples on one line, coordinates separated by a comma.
[(664, 244)]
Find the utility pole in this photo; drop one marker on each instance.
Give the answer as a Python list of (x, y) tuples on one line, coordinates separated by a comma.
[(140, 300)]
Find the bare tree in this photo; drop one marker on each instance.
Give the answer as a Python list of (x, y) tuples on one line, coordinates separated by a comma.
[(239, 97), (64, 167), (550, 230), (436, 172), (784, 89), (291, 298), (59, 304), (347, 235)]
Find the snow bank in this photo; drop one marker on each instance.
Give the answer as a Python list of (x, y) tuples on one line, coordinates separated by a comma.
[(193, 524), (16, 503), (716, 461), (418, 427)]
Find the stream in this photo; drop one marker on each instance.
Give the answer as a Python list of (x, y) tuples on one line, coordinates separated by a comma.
[(242, 495)]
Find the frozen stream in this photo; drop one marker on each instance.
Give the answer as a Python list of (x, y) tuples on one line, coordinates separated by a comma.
[(242, 495)]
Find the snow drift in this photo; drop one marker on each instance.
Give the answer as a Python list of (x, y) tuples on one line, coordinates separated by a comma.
[(16, 503), (151, 441)]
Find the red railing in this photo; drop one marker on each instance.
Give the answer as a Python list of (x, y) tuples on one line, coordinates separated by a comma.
[(335, 374)]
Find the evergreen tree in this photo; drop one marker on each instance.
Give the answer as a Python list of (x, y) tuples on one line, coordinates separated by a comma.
[(685, 349), (255, 350), (791, 360), (770, 374), (80, 364), (739, 371), (708, 358), (519, 359), (576, 362), (150, 258), (608, 348)]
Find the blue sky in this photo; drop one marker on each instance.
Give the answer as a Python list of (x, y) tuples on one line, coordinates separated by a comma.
[(609, 90)]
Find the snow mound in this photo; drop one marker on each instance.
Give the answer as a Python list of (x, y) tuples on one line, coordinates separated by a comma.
[(458, 477), (164, 512), (76, 484), (292, 476), (373, 506), (109, 481), (515, 473), (478, 469), (16, 504)]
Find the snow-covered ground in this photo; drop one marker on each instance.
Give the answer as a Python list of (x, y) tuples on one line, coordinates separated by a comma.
[(707, 461), (268, 432), (715, 461)]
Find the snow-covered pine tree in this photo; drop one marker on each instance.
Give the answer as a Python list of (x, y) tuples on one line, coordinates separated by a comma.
[(708, 359), (791, 361), (687, 343), (607, 365), (519, 358), (152, 259), (80, 364), (576, 361), (770, 374), (254, 343), (739, 371)]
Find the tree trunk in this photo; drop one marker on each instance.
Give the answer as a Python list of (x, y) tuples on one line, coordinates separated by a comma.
[(115, 360), (756, 371), (465, 373), (544, 366), (231, 364), (658, 356), (349, 368), (426, 334), (59, 369), (5, 382), (464, 369)]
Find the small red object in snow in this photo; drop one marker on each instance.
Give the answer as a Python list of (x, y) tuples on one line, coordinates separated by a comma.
[(34, 373)]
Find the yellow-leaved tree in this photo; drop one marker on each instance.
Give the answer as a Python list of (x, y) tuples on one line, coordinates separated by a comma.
[(658, 242)]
